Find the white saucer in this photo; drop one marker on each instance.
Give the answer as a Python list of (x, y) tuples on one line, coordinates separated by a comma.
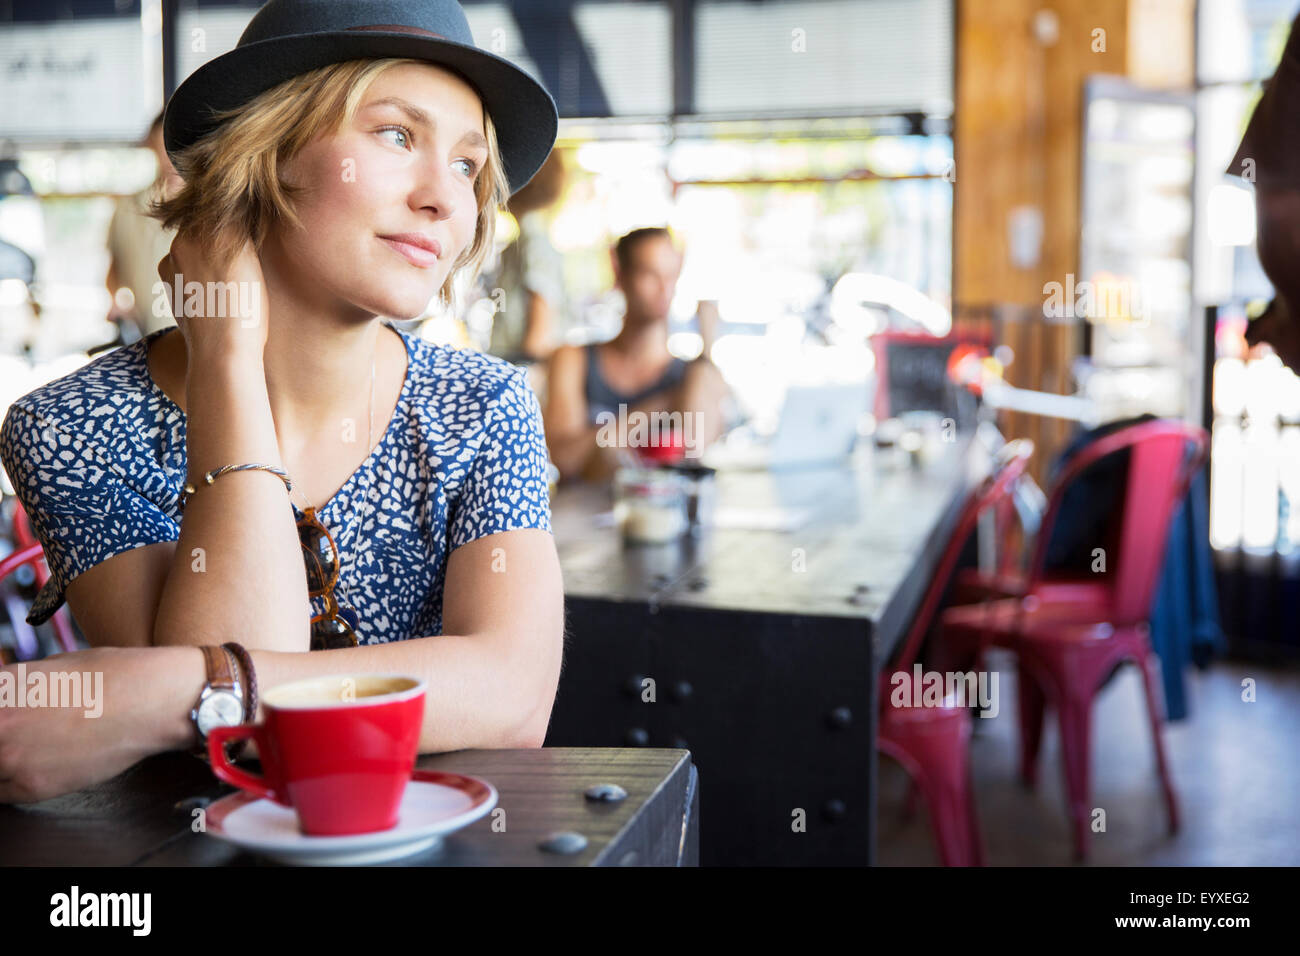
[(433, 805)]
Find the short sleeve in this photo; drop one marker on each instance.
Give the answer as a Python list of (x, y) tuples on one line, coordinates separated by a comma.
[(506, 487), (82, 505)]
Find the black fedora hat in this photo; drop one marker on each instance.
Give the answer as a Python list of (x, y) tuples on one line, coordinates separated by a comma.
[(288, 37)]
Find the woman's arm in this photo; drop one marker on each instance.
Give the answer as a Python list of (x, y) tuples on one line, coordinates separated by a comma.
[(537, 328), (572, 441), (491, 683), (238, 569), (493, 673)]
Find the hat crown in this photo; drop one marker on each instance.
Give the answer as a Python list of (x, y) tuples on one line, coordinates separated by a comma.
[(287, 38), (281, 18)]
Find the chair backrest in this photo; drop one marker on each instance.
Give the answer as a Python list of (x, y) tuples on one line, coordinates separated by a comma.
[(1163, 457), (24, 537), (15, 559), (34, 555), (1010, 465), (22, 527), (25, 644)]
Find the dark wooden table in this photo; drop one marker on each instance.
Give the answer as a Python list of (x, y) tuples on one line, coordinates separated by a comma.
[(763, 646), (140, 818)]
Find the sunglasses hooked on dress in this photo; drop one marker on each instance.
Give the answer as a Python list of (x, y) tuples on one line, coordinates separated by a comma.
[(337, 627)]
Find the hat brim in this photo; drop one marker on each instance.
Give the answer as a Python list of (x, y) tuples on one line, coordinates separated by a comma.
[(521, 109)]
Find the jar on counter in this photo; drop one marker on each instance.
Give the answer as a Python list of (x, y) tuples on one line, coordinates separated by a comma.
[(650, 505)]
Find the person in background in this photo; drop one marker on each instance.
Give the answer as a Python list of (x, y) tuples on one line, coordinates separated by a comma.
[(136, 242), (1269, 156), (634, 369), (530, 277)]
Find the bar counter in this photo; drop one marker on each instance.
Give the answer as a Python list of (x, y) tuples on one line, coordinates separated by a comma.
[(758, 649)]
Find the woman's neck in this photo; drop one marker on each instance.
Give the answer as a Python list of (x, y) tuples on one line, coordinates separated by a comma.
[(316, 382), (318, 357), (318, 379)]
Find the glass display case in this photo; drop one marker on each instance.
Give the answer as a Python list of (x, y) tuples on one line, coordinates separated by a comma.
[(1134, 291)]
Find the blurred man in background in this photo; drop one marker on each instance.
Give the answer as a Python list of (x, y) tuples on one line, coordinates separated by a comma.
[(634, 370)]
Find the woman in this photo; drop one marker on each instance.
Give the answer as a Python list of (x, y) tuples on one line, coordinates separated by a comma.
[(1269, 157), (329, 179)]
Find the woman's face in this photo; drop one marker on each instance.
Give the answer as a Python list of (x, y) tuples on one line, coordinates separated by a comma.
[(406, 165)]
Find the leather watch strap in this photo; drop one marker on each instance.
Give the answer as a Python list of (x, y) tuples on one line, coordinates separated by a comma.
[(220, 672)]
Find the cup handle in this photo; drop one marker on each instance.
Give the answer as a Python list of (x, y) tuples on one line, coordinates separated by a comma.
[(254, 783)]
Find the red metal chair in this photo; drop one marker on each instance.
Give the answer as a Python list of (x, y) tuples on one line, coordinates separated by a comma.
[(1069, 641), (933, 743), (1010, 579), (23, 539), (25, 649)]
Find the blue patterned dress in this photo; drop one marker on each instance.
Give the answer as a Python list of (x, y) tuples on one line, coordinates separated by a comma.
[(97, 459)]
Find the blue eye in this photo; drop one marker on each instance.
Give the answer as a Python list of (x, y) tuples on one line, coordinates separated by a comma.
[(473, 166), (398, 129)]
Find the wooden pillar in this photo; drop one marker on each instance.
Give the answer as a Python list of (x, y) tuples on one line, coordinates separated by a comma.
[(1018, 128)]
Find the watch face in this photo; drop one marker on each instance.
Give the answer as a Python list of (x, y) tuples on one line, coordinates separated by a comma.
[(219, 709)]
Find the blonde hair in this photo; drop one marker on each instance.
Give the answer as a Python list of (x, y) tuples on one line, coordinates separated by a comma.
[(232, 186)]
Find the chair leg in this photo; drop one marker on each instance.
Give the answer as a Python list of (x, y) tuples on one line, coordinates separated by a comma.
[(1029, 696), (1156, 716), (937, 761), (949, 797), (1075, 715)]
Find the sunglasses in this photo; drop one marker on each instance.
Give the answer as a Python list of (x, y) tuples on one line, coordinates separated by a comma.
[(337, 627)]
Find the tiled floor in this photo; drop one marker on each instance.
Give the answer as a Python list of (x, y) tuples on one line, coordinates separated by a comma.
[(1236, 768)]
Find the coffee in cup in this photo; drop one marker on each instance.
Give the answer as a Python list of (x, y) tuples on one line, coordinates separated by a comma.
[(337, 749)]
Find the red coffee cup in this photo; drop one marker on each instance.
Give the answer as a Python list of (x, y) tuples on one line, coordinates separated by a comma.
[(339, 750)]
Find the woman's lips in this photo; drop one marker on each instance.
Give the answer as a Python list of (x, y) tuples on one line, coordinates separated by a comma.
[(421, 258)]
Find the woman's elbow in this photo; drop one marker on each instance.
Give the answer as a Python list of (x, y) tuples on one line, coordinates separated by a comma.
[(530, 732), (531, 741), (532, 735)]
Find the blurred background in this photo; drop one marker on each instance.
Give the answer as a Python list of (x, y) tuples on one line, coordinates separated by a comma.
[(832, 168)]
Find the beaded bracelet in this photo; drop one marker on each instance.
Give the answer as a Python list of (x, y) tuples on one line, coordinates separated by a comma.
[(216, 473)]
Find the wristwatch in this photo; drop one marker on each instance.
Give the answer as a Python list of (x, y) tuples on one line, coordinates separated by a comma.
[(221, 704)]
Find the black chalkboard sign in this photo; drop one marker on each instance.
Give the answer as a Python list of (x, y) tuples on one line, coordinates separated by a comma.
[(914, 376)]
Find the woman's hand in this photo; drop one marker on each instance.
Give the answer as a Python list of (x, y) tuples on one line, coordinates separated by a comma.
[(230, 316), (136, 693)]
